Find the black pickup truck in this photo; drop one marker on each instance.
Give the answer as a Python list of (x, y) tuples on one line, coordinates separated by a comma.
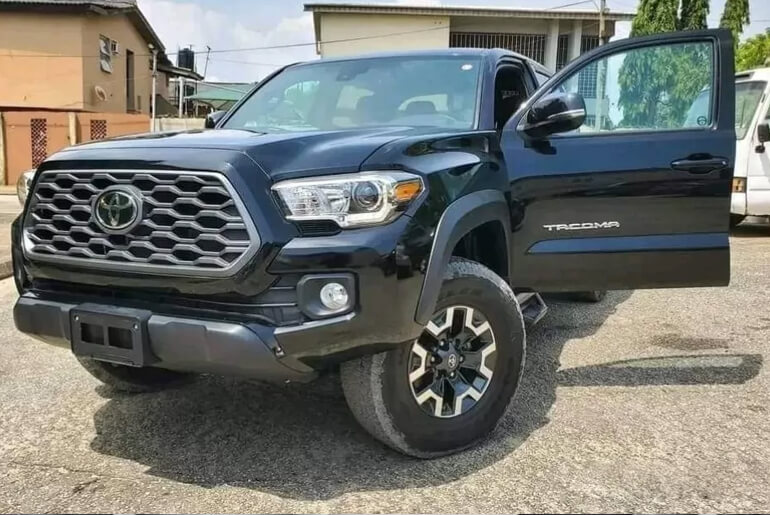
[(384, 215)]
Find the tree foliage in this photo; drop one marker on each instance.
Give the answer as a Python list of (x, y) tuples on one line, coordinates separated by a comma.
[(753, 53), (734, 17), (693, 15)]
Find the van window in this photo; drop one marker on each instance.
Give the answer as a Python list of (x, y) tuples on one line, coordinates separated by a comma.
[(747, 96)]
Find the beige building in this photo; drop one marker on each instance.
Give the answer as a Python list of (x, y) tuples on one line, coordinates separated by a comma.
[(79, 55), (550, 36)]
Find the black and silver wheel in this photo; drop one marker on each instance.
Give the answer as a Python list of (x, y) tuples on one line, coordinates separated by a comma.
[(453, 361), (131, 379), (449, 388)]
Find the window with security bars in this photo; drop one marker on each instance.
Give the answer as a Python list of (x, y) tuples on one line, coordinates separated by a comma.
[(587, 79), (38, 133), (98, 129), (562, 52), (530, 45)]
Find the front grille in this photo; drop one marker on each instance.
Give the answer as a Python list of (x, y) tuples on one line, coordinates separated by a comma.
[(189, 223)]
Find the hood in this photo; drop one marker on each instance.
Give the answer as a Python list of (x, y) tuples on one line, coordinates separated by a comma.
[(280, 155)]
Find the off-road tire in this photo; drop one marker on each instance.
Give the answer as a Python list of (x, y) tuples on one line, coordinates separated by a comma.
[(377, 387), (592, 296), (132, 379)]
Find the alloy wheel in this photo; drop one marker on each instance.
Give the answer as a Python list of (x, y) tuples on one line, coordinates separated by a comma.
[(452, 363)]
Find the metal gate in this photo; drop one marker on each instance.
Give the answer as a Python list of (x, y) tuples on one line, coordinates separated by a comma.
[(530, 45)]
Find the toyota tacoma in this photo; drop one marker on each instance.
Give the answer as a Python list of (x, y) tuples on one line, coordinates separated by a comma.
[(392, 216)]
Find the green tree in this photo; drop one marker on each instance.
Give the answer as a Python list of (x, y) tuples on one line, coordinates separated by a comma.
[(753, 53), (734, 17), (693, 15), (644, 77)]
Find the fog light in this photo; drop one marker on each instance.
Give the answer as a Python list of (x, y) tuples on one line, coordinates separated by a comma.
[(334, 296)]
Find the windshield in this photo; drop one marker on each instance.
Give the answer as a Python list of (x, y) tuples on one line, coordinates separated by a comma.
[(747, 96), (413, 91)]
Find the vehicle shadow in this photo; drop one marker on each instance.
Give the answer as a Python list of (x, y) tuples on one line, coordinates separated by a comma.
[(301, 442), (759, 229)]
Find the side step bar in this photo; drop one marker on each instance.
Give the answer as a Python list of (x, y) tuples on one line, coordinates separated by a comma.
[(533, 307)]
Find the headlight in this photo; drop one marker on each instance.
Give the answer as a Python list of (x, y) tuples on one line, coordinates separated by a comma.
[(352, 200), (22, 185)]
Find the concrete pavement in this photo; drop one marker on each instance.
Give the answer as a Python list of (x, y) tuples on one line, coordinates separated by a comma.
[(652, 401)]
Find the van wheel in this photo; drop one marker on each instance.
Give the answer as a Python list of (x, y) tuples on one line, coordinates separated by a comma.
[(132, 379), (736, 219), (449, 388)]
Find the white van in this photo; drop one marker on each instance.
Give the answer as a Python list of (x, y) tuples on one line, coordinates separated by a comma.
[(751, 185)]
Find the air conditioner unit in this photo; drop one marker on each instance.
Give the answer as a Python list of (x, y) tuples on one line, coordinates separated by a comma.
[(114, 47)]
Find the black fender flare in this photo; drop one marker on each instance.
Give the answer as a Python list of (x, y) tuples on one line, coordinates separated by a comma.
[(461, 217)]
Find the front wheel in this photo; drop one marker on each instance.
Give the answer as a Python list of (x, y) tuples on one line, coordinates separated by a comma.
[(449, 388)]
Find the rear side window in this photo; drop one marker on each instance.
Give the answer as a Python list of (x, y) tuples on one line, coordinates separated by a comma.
[(661, 87)]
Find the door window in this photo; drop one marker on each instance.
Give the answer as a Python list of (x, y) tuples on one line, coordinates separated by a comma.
[(660, 87)]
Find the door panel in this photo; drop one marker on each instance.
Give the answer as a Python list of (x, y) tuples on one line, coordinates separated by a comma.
[(758, 172), (639, 196)]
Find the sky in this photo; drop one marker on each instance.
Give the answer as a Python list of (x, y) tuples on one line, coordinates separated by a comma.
[(236, 24)]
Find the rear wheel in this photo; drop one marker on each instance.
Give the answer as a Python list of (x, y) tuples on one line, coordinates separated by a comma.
[(132, 379), (450, 387)]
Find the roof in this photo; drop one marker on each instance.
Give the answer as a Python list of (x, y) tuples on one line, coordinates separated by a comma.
[(127, 7), (221, 91), (427, 10), (754, 74), (165, 66), (492, 53)]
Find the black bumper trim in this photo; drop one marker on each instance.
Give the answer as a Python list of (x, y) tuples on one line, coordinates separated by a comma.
[(184, 344)]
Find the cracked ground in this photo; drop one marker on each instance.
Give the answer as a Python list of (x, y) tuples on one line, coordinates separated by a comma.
[(652, 401)]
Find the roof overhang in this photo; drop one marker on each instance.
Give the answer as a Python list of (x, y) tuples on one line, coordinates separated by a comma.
[(501, 12), (176, 71)]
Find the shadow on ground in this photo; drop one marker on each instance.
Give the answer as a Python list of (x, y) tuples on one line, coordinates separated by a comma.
[(301, 442), (751, 230)]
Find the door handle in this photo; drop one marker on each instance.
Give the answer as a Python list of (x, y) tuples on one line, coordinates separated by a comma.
[(699, 165)]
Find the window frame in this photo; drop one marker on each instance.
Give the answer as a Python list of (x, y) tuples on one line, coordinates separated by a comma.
[(625, 46)]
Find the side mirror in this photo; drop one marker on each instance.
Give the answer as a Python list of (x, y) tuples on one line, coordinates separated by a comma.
[(555, 112), (763, 132), (763, 135), (213, 119)]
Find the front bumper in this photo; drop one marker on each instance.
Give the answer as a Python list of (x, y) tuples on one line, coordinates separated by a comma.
[(178, 343), (197, 338)]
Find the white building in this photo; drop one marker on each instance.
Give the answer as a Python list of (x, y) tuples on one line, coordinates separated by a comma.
[(552, 37)]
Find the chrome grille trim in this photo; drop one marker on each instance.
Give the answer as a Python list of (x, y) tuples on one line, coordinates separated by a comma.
[(60, 213)]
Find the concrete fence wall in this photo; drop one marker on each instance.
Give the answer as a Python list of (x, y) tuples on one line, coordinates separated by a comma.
[(28, 137), (178, 124)]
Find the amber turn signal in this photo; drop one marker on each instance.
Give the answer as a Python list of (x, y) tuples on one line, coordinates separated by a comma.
[(739, 185), (406, 191)]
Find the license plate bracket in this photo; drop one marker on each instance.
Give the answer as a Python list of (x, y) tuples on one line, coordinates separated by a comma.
[(108, 333)]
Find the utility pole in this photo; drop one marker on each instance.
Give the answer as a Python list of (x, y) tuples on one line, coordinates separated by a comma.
[(153, 104), (181, 97), (602, 8), (601, 73), (206, 66)]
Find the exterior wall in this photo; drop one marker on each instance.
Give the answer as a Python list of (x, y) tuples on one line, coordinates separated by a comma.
[(120, 29), (349, 26), (31, 136), (24, 146), (41, 82)]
